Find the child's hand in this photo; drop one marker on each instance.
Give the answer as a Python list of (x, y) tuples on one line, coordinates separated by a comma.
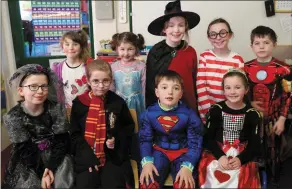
[(47, 179), (235, 163), (110, 143), (147, 172), (90, 169), (46, 182), (257, 105), (279, 126), (223, 162), (185, 176)]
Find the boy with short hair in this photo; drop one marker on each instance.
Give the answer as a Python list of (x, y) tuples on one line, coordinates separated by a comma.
[(266, 76), (170, 136)]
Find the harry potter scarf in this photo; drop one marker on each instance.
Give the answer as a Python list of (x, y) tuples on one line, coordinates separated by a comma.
[(95, 127)]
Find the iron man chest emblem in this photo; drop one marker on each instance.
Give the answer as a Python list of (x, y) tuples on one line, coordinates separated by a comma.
[(261, 75)]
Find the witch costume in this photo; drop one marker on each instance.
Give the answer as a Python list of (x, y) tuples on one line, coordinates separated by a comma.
[(40, 141), (182, 59)]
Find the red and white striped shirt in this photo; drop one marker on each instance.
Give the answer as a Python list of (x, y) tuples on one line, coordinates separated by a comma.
[(211, 69)]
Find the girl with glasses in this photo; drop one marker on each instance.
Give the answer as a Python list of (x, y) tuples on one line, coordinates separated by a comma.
[(102, 129), (213, 64), (38, 129)]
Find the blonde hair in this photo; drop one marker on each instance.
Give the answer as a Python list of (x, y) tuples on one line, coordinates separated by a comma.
[(186, 35), (98, 65)]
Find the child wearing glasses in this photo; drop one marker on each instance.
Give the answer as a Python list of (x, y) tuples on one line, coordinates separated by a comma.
[(71, 72), (38, 129), (102, 130), (213, 64), (129, 74)]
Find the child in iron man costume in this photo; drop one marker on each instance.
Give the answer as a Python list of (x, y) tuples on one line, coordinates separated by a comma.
[(270, 92)]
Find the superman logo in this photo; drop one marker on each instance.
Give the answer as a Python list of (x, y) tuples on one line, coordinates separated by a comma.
[(167, 122)]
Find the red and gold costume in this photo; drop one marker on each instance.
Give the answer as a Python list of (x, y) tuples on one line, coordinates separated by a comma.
[(269, 83)]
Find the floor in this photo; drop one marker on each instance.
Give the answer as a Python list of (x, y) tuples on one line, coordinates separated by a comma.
[(285, 180)]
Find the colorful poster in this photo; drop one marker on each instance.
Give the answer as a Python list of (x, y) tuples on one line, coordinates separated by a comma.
[(53, 18)]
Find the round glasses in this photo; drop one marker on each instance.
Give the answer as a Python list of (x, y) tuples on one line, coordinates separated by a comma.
[(36, 87), (222, 34), (96, 82)]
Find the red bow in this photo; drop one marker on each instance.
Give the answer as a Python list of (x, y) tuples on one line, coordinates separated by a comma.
[(227, 145)]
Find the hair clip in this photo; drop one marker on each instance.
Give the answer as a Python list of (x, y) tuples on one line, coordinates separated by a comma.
[(237, 70)]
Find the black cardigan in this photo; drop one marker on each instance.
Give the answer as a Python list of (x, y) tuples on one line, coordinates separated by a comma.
[(123, 132)]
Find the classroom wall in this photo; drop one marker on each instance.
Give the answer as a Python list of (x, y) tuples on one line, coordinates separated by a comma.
[(243, 16), (104, 29), (8, 65)]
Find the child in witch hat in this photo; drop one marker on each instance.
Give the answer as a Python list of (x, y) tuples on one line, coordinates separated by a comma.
[(173, 53)]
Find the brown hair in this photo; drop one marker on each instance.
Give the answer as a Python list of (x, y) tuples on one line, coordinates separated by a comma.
[(262, 31), (186, 31), (128, 37), (98, 65), (219, 20), (236, 72), (168, 75), (81, 38)]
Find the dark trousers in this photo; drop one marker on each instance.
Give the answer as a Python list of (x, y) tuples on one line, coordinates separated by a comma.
[(108, 176)]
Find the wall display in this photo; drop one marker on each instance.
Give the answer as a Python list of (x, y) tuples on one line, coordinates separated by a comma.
[(51, 19), (45, 21), (283, 6)]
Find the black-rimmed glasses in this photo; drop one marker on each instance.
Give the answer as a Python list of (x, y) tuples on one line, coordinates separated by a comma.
[(222, 34), (36, 87)]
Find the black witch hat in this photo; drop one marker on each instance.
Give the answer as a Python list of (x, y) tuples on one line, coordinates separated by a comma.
[(173, 9)]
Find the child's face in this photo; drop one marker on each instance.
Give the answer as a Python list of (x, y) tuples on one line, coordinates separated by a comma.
[(37, 97), (168, 92), (99, 82), (219, 35), (127, 52), (71, 48), (175, 30), (263, 47), (234, 89)]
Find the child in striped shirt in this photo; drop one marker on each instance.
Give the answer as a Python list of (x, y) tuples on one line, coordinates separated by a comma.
[(213, 64)]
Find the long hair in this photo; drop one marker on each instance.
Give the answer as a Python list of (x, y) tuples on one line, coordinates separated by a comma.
[(81, 38)]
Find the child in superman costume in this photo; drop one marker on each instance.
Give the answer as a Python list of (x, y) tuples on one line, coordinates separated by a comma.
[(170, 136)]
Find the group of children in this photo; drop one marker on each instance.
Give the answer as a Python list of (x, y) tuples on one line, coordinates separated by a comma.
[(72, 125)]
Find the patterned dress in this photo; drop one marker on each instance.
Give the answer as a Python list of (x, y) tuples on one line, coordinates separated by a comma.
[(73, 80), (129, 83), (231, 133)]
